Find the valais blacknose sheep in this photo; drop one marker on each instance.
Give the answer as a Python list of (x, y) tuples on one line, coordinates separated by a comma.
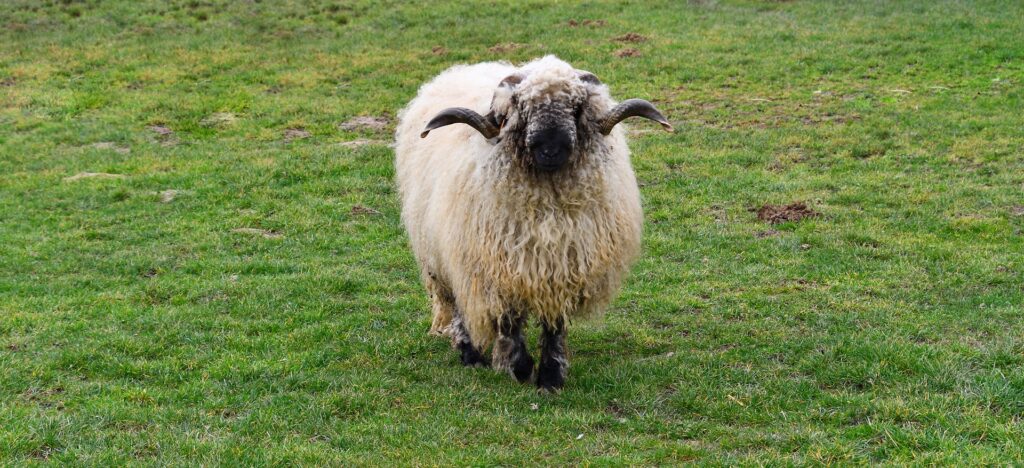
[(528, 209)]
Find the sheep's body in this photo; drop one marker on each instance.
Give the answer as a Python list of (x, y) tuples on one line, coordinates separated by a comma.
[(490, 237)]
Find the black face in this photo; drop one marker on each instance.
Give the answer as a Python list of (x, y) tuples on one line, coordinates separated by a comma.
[(551, 148)]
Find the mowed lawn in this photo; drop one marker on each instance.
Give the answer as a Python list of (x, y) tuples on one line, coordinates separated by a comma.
[(201, 257)]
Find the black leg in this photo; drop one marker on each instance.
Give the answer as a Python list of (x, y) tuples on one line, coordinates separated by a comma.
[(509, 353), (553, 361), (460, 340)]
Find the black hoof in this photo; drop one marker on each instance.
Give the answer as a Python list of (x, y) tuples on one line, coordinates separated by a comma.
[(522, 370), (550, 378), (471, 357)]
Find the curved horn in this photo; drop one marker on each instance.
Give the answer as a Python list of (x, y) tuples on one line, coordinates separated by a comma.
[(632, 108), (453, 115)]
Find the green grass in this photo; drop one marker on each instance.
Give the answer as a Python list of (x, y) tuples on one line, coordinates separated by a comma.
[(890, 329)]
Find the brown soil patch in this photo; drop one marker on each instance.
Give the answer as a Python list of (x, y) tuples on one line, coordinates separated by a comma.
[(46, 398), (296, 134), (1017, 210), (161, 130), (438, 50), (591, 23), (364, 123), (164, 135), (506, 47), (776, 214), (6, 82), (631, 37), (630, 52), (766, 233), (363, 210)]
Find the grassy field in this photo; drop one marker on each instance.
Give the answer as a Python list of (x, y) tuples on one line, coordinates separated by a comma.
[(201, 259)]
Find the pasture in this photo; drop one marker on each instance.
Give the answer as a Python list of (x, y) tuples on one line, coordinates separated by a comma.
[(201, 257)]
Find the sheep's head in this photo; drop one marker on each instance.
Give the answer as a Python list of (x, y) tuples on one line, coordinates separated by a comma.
[(547, 111)]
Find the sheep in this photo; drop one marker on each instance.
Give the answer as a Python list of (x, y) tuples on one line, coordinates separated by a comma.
[(529, 210)]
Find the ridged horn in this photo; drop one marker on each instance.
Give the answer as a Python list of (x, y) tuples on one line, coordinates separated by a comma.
[(632, 108), (454, 115)]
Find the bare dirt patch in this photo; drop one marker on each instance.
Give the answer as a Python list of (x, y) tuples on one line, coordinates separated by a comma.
[(588, 22), (625, 53), (92, 175), (168, 195), (161, 130), (631, 37), (1017, 210), (363, 210), (766, 233), (269, 234), (296, 134), (505, 47), (164, 135), (364, 122), (439, 50), (46, 398), (777, 214), (8, 82)]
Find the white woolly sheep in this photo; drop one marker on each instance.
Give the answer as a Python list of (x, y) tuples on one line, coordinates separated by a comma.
[(529, 210)]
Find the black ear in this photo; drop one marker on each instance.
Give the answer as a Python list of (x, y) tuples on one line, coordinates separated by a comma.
[(589, 78), (512, 80)]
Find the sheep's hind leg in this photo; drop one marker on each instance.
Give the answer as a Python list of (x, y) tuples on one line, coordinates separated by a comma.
[(442, 305), (447, 321), (509, 353), (470, 355), (553, 360)]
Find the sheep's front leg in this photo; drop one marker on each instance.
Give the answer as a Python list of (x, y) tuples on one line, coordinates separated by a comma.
[(471, 356), (510, 353), (553, 360)]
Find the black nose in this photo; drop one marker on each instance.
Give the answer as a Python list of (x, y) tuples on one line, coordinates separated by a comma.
[(551, 157), (551, 150)]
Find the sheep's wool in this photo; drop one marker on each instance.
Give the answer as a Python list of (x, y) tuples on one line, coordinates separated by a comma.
[(490, 236)]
